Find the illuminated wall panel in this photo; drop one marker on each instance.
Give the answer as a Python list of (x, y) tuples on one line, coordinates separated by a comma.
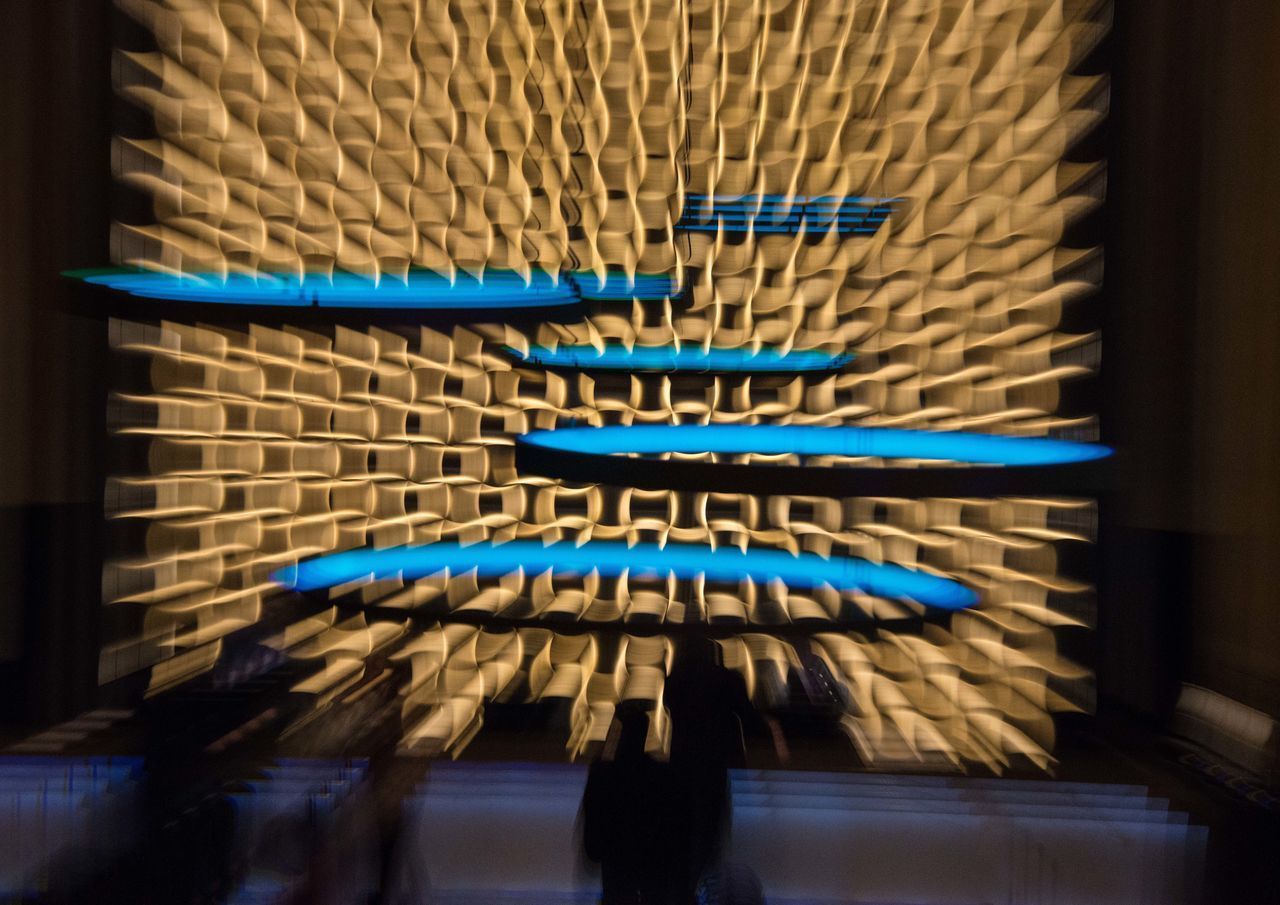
[(878, 185), (374, 137)]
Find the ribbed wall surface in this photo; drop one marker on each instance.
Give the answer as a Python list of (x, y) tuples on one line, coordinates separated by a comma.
[(382, 136)]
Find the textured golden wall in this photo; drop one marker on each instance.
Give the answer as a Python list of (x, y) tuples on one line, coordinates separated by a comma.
[(375, 137)]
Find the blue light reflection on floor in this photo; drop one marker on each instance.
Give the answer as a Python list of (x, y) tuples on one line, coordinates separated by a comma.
[(615, 357), (418, 289), (778, 439), (612, 558)]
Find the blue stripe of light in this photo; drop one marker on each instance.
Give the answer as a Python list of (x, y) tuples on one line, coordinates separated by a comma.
[(790, 199), (777, 439), (614, 357), (612, 558), (787, 212), (418, 289), (619, 285), (783, 214)]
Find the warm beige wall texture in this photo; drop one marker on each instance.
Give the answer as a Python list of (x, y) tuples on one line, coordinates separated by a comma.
[(372, 137), (377, 136)]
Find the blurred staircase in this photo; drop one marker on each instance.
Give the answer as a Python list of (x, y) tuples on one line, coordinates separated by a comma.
[(61, 816), (499, 832)]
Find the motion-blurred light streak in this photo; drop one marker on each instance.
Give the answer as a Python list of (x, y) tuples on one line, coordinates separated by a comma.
[(415, 290), (609, 558), (686, 359), (855, 442)]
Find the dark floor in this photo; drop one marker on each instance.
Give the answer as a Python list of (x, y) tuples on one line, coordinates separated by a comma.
[(1242, 862)]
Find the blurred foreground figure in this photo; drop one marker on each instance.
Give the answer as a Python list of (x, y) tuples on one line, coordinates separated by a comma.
[(709, 708), (627, 807)]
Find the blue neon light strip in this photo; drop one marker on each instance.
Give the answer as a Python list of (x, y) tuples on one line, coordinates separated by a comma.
[(619, 286), (615, 357), (612, 558), (418, 290), (778, 439), (784, 214)]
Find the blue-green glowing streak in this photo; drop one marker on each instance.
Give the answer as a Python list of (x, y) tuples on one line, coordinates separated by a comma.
[(419, 289), (780, 439), (614, 357), (612, 558)]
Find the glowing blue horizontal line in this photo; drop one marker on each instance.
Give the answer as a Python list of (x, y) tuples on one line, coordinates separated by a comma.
[(686, 358), (616, 285), (781, 439), (790, 199), (758, 228), (612, 558), (779, 216), (418, 289), (747, 213), (732, 225), (750, 215), (732, 221), (779, 207)]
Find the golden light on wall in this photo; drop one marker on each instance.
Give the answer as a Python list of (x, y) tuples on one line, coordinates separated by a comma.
[(378, 136), (877, 182)]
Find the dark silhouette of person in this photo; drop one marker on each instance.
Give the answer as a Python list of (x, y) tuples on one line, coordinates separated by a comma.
[(709, 710), (626, 808)]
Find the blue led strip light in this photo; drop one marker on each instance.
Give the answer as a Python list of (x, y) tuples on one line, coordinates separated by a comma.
[(619, 286), (614, 357), (419, 289), (612, 558), (422, 289), (779, 439), (784, 213)]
